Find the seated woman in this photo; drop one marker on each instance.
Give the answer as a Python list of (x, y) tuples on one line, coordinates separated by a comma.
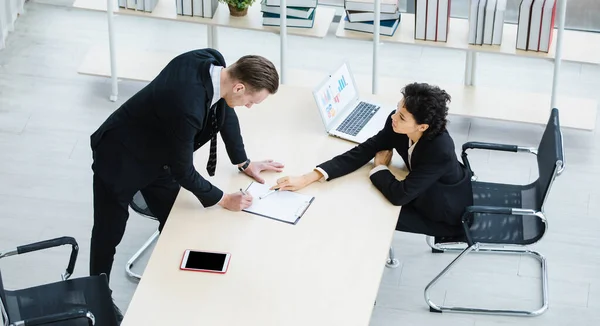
[(437, 188)]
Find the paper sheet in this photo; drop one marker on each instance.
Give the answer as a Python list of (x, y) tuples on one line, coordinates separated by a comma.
[(285, 206)]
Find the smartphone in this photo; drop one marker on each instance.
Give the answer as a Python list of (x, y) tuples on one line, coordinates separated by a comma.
[(205, 261)]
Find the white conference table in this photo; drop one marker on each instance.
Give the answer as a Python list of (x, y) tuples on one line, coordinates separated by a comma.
[(325, 270)]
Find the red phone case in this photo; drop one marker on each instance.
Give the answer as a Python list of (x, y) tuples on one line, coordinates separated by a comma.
[(204, 270)]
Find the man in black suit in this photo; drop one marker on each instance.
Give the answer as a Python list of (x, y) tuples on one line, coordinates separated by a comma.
[(147, 144)]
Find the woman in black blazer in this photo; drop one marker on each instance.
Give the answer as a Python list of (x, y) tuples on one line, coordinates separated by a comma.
[(437, 189)]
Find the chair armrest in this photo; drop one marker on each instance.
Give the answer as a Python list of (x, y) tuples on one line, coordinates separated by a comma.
[(63, 316), (50, 244), (492, 147), (471, 210)]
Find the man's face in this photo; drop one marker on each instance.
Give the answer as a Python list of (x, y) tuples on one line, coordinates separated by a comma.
[(242, 96)]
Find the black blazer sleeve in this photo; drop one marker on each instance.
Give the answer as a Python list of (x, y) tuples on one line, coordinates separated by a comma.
[(360, 155), (182, 132), (232, 137), (427, 168)]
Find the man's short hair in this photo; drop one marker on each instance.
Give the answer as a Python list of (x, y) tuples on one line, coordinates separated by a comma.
[(256, 73)]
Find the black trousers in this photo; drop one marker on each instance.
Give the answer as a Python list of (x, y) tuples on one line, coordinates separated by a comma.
[(113, 191), (411, 221)]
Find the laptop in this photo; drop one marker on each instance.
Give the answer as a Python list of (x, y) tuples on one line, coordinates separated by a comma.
[(344, 113)]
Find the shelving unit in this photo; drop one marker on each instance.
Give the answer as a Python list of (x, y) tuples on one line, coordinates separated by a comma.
[(165, 9), (477, 102), (579, 47), (572, 46)]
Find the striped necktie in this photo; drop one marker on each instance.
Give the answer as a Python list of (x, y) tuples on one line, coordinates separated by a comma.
[(211, 166)]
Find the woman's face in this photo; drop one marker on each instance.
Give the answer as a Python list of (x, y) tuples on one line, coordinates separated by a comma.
[(403, 121)]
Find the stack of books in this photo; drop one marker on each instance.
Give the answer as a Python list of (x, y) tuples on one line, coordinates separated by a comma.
[(360, 16), (299, 13), (140, 5), (536, 25), (196, 8), (486, 21), (432, 20)]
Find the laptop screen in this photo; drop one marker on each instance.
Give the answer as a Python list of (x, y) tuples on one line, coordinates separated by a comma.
[(335, 94)]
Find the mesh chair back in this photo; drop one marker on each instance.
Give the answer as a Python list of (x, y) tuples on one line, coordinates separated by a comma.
[(549, 158), (138, 204)]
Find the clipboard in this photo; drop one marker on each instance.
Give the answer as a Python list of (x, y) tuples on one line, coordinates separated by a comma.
[(283, 206)]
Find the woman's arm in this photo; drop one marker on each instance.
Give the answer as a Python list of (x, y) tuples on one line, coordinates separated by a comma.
[(342, 164), (299, 182), (360, 155), (417, 181)]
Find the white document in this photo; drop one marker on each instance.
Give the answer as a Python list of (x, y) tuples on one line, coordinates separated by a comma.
[(285, 206)]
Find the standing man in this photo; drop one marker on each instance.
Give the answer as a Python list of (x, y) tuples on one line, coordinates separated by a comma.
[(148, 143)]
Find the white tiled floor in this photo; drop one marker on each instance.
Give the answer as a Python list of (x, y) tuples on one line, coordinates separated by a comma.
[(47, 112)]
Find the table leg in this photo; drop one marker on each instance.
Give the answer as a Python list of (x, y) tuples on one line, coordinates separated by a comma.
[(110, 5)]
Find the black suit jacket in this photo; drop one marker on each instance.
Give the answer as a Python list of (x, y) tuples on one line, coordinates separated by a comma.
[(163, 124), (438, 186)]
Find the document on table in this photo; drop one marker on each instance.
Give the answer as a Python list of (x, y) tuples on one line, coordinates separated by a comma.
[(284, 206)]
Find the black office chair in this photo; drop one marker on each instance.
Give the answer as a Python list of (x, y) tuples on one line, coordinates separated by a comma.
[(507, 215), (81, 301), (138, 204)]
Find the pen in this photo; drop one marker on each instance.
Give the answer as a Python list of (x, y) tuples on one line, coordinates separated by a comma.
[(243, 192), (268, 193)]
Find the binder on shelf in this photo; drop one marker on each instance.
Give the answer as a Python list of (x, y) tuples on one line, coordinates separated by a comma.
[(488, 24), (499, 22), (197, 7), (420, 19), (270, 19), (431, 23), (523, 24), (386, 27), (294, 3), (369, 16), (123, 3), (131, 4), (473, 10), (187, 7), (480, 22), (179, 7), (547, 25), (443, 20), (533, 41), (296, 12), (209, 8), (387, 6)]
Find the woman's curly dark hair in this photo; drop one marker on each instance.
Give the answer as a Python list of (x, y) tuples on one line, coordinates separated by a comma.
[(428, 104)]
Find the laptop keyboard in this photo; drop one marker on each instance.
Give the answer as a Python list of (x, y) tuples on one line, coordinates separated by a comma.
[(354, 123)]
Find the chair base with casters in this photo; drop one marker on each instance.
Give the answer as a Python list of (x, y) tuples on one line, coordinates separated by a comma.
[(505, 218), (70, 302), (137, 255), (139, 205)]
